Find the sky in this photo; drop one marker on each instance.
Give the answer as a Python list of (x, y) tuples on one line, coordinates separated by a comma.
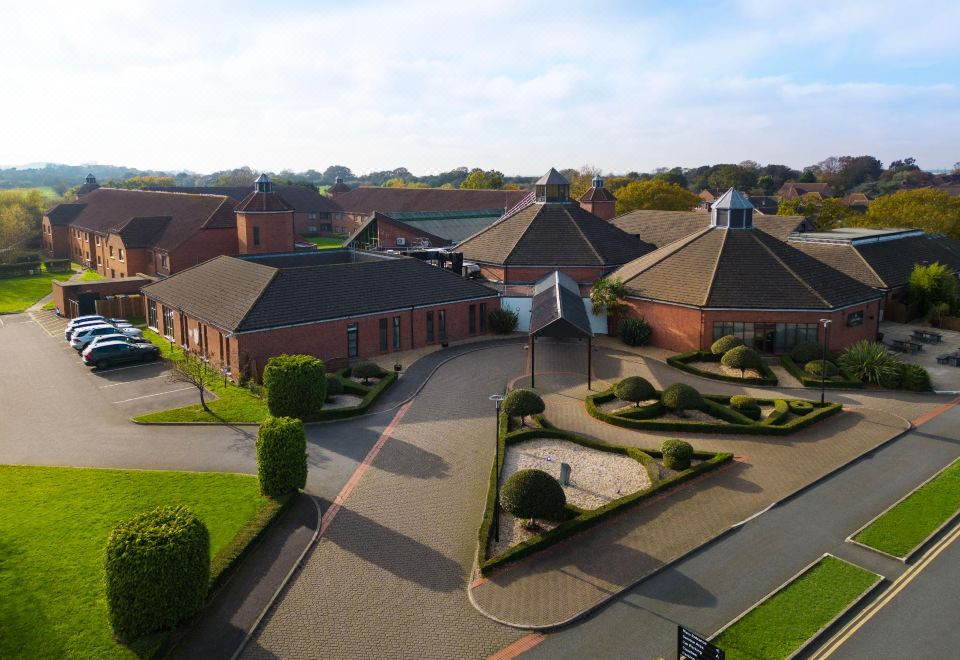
[(516, 86)]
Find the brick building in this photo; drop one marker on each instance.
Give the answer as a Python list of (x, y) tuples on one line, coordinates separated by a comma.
[(339, 305)]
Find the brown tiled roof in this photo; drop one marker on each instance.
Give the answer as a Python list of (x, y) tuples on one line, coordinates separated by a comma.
[(263, 202), (740, 269), (301, 198), (403, 200), (338, 187), (662, 227), (843, 257), (63, 214), (142, 232), (894, 260), (107, 209), (792, 190), (553, 235), (598, 195), (856, 199)]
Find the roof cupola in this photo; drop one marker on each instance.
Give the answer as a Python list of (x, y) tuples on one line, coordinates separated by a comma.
[(263, 184), (732, 210), (552, 187)]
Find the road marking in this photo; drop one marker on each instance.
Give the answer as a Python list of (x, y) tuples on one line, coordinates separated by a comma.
[(898, 585), (522, 645), (132, 366), (147, 396), (936, 412), (130, 382), (361, 469)]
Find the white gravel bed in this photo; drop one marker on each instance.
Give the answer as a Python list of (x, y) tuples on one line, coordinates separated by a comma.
[(343, 401), (689, 416), (717, 368), (617, 405), (512, 532)]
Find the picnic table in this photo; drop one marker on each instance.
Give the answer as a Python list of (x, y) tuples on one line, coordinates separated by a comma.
[(928, 336), (953, 359), (906, 346)]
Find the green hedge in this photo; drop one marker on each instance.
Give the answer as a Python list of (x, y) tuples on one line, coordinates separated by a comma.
[(711, 401), (582, 519), (781, 410), (281, 456), (369, 394), (682, 362), (156, 571), (296, 385), (845, 380)]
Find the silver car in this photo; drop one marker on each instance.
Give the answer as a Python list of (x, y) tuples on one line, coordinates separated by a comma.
[(86, 334)]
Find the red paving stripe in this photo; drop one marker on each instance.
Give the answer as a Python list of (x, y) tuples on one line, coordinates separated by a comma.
[(522, 645), (923, 419), (361, 469)]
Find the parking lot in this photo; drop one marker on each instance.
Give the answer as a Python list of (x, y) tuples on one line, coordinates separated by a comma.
[(133, 389)]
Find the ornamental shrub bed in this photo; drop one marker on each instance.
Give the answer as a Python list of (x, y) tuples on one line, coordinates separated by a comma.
[(843, 379), (688, 362), (578, 519), (369, 393), (728, 419)]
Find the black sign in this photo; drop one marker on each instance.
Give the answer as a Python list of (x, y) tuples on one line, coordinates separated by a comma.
[(691, 646)]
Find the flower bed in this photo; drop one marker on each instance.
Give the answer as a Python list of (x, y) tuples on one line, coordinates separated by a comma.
[(688, 362), (369, 394)]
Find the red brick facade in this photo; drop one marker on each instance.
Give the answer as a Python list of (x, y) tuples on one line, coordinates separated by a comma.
[(259, 233), (55, 240)]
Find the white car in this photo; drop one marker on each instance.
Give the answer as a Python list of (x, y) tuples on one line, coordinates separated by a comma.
[(120, 323), (115, 336), (86, 334)]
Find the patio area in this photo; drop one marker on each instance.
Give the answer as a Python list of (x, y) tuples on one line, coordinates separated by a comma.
[(925, 350)]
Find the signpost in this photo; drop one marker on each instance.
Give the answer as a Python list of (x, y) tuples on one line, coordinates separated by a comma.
[(691, 646)]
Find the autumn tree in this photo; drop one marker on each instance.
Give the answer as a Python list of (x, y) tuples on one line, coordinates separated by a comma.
[(823, 214), (21, 214), (142, 182), (479, 179), (933, 211), (654, 194)]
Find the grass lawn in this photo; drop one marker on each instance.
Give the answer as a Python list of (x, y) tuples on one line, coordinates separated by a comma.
[(55, 524), (90, 276), (794, 614), (233, 403), (906, 525), (326, 242), (18, 293)]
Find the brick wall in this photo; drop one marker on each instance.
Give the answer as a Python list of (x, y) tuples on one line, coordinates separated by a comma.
[(674, 327), (603, 210), (66, 291), (202, 246), (56, 240), (276, 232), (388, 233)]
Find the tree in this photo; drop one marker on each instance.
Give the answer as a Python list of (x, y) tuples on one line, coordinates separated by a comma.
[(673, 175), (366, 371), (733, 176), (823, 214), (281, 456), (394, 183), (934, 286), (533, 494), (21, 216), (809, 176), (241, 176), (742, 358), (724, 344), (295, 384), (933, 211), (608, 294), (658, 195), (331, 173), (680, 397), (520, 403), (676, 454), (478, 179), (141, 182), (634, 389), (192, 369)]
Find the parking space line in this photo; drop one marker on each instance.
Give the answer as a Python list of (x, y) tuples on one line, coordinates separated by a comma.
[(131, 382), (147, 396), (132, 366)]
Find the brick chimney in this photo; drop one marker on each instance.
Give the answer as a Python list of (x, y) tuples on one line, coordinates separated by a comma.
[(599, 201)]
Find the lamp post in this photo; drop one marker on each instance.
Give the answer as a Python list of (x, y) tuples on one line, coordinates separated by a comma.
[(823, 360), (497, 399)]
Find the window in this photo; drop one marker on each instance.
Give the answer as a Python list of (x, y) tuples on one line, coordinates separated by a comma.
[(111, 252), (122, 274), (442, 321), (163, 261), (855, 319), (98, 241), (483, 317), (226, 348), (722, 217), (311, 216), (121, 255), (396, 332), (312, 229), (99, 260), (383, 335), (767, 337), (472, 319), (256, 235), (352, 340), (113, 273), (429, 327), (152, 314), (167, 322)]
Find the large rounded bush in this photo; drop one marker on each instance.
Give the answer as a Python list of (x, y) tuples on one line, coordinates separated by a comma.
[(746, 405), (676, 454), (806, 351), (296, 385), (503, 321), (915, 378), (680, 396), (822, 369), (742, 358), (156, 570), (533, 494), (724, 344), (520, 403), (634, 389), (366, 371), (334, 386), (634, 332), (281, 456)]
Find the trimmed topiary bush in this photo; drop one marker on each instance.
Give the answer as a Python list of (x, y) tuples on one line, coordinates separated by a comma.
[(676, 454), (520, 403), (746, 405), (680, 397), (915, 378), (742, 358), (533, 494), (724, 344), (806, 351), (281, 456), (503, 321), (156, 570), (798, 407), (366, 371), (870, 362), (822, 369), (334, 386), (634, 389), (634, 332), (296, 385)]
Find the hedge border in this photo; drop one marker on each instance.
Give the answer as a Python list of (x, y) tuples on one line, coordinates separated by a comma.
[(583, 519), (808, 381), (682, 361), (751, 428), (369, 394)]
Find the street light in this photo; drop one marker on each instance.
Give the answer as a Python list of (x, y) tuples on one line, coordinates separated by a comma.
[(823, 360), (498, 399)]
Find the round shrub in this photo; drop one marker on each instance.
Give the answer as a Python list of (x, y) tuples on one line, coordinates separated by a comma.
[(533, 494), (634, 389), (366, 371), (503, 321), (676, 454), (798, 407), (742, 358), (520, 403), (806, 351), (822, 369), (870, 362), (724, 344), (891, 379), (915, 378), (334, 386), (281, 456), (634, 332), (746, 405), (156, 570), (680, 396), (296, 385)]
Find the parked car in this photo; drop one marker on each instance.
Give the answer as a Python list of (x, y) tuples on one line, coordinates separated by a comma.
[(111, 353), (85, 334), (120, 323), (116, 336)]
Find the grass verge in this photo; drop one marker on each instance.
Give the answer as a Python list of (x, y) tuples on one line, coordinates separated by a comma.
[(18, 293), (325, 242), (798, 611), (907, 525), (56, 522)]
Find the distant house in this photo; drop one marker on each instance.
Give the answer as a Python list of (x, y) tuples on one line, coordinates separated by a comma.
[(857, 200), (793, 190)]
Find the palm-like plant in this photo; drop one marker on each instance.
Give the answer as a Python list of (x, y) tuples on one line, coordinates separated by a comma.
[(869, 361)]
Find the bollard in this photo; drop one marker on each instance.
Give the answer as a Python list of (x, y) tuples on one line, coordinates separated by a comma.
[(564, 474)]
